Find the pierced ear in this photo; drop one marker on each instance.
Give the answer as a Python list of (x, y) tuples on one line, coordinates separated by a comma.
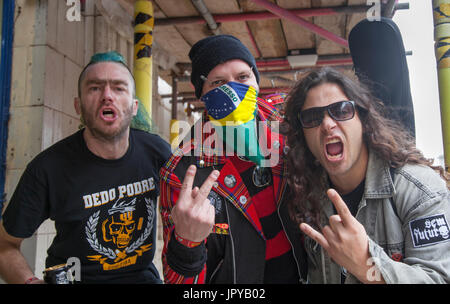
[(135, 106)]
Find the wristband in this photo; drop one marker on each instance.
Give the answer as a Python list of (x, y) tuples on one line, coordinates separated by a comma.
[(31, 280), (185, 242)]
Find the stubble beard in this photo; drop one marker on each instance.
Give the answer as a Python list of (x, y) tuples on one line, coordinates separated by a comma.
[(104, 132)]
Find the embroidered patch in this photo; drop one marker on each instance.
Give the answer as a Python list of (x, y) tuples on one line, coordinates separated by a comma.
[(220, 228), (216, 201), (429, 230), (398, 257)]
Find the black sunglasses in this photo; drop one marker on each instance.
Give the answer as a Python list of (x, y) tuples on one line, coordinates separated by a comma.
[(339, 111)]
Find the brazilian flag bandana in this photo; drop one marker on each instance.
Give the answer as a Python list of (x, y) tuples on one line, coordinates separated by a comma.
[(232, 111)]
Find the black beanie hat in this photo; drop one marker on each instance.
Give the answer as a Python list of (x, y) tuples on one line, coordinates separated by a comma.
[(211, 51)]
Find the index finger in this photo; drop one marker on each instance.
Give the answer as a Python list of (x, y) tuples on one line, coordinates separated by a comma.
[(341, 206), (188, 181), (207, 185), (315, 235)]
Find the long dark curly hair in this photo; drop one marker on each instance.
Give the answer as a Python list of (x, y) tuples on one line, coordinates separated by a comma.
[(387, 138)]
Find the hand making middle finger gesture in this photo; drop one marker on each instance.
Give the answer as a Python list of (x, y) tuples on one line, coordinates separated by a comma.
[(345, 239), (193, 215)]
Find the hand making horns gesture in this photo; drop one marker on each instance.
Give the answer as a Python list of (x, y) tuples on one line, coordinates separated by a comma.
[(344, 239), (193, 215)]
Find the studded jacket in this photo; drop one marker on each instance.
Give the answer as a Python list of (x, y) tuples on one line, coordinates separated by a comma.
[(235, 251), (405, 213)]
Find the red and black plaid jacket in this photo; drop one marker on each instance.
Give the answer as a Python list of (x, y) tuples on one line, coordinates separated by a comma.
[(236, 248)]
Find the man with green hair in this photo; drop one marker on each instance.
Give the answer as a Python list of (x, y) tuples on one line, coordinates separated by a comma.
[(99, 185)]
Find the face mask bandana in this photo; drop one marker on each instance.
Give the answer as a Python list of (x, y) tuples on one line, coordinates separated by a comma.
[(232, 110)]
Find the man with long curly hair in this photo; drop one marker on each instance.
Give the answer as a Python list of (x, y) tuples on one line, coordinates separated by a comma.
[(373, 209)]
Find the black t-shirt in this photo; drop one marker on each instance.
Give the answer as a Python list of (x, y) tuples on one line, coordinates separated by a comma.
[(104, 210), (352, 201), (353, 198)]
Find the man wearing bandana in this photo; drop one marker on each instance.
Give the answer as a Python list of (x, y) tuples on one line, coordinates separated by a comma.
[(222, 191)]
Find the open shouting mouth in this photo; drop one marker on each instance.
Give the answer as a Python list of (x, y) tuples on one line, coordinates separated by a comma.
[(334, 149), (108, 114)]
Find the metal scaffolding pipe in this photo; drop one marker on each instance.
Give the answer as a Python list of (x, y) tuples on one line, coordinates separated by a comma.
[(283, 13), (333, 62), (338, 59), (272, 63), (389, 9), (180, 94), (209, 19), (274, 90), (252, 39), (253, 16), (6, 53), (174, 128), (283, 71), (190, 97), (323, 60)]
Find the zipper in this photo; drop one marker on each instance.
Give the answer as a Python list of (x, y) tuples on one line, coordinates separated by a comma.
[(215, 271), (287, 236), (322, 256), (232, 244)]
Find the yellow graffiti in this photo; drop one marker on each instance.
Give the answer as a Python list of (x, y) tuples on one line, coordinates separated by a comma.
[(443, 11), (443, 53)]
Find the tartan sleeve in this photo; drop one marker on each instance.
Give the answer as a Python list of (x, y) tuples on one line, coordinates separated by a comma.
[(170, 187)]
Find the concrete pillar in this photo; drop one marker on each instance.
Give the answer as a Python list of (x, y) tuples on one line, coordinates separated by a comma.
[(49, 53)]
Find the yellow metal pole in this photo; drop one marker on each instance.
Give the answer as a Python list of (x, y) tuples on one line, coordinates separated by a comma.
[(441, 15), (174, 133), (143, 40)]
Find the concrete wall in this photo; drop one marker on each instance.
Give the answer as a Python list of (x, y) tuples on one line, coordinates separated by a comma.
[(49, 54)]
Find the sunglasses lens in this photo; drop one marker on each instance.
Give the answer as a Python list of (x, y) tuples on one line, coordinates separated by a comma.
[(311, 118), (343, 110)]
